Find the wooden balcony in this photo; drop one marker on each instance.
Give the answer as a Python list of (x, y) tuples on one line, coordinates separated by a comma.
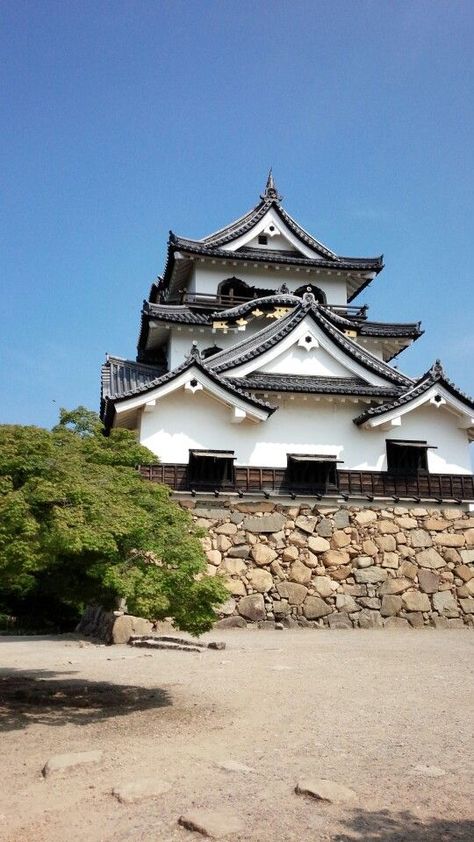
[(349, 484), (203, 301)]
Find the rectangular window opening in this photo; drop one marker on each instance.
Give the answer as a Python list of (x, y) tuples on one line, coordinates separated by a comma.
[(211, 468), (407, 458), (263, 239), (311, 473)]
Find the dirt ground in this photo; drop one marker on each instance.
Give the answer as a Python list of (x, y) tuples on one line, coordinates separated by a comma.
[(386, 713)]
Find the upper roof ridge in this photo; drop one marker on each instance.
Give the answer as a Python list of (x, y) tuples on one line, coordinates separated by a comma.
[(271, 194)]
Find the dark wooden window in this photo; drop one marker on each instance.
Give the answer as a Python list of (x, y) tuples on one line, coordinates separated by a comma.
[(263, 239), (209, 352), (311, 472), (211, 468), (407, 458)]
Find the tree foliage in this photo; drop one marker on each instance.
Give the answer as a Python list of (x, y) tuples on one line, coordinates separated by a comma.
[(78, 525)]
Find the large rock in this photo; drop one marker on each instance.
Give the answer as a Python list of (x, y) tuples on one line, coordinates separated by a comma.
[(125, 626), (430, 558), (390, 560), (228, 607), (324, 527), (387, 527), (324, 585), (294, 593), (370, 575), (65, 762), (449, 539), (368, 619), (445, 604), (395, 586), (334, 558), (260, 580), (467, 556), (429, 581), (407, 522), (290, 553), (314, 608), (214, 557), (341, 620), (469, 536), (318, 545), (242, 551), (365, 517), (386, 543), (435, 524), (262, 554), (415, 601), (467, 605), (341, 519), (267, 523), (306, 523), (235, 586), (346, 603), (340, 539), (226, 529), (340, 573), (231, 623), (396, 623), (300, 573), (420, 538), (234, 566), (391, 605), (464, 572), (369, 547), (252, 607)]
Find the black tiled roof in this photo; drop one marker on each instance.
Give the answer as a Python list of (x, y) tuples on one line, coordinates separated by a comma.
[(411, 330), (267, 338), (311, 385), (433, 376), (128, 380)]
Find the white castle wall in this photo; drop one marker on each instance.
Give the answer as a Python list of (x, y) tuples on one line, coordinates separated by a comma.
[(183, 421)]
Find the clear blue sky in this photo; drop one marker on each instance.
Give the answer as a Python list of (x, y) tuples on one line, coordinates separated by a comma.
[(124, 119)]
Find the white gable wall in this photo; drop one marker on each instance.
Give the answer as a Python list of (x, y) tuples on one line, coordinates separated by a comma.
[(182, 421)]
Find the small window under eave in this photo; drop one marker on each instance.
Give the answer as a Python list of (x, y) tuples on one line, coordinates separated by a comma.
[(407, 457), (312, 472), (211, 468)]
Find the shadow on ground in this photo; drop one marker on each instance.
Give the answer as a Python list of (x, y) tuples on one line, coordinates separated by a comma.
[(385, 826), (48, 698)]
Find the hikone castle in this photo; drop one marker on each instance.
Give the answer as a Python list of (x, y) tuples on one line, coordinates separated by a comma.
[(259, 375)]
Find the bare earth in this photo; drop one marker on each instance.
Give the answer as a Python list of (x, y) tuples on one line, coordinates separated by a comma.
[(388, 714)]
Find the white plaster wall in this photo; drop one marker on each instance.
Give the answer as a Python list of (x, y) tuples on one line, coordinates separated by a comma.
[(207, 277), (315, 363), (181, 340), (183, 421)]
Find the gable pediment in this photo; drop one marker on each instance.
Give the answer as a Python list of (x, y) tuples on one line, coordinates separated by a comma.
[(277, 236)]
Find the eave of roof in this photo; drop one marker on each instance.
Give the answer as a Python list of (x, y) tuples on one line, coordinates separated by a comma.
[(267, 338), (297, 383), (435, 375), (129, 386)]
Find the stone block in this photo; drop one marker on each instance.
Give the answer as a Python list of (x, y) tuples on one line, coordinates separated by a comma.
[(469, 536), (467, 605), (228, 607), (290, 553), (344, 602), (445, 604), (391, 605), (368, 619), (430, 558), (324, 528), (429, 581), (408, 569), (262, 554), (314, 607), (300, 573), (369, 547), (390, 560), (293, 592), (214, 557), (341, 573), (396, 623), (365, 517), (334, 558), (435, 524), (387, 527), (241, 551), (340, 539), (233, 566), (280, 607), (420, 538), (371, 602), (467, 556), (449, 539), (231, 623), (386, 543), (306, 523), (266, 523), (341, 620), (395, 586), (252, 607), (415, 618), (416, 601), (406, 522), (125, 625), (371, 575), (464, 572), (226, 529), (324, 585), (341, 519), (65, 762), (235, 586), (260, 580), (318, 544)]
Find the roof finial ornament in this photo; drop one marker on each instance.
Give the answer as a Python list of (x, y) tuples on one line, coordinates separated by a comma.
[(271, 193), (437, 369), (194, 353)]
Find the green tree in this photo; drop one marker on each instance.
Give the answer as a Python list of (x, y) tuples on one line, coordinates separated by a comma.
[(78, 525)]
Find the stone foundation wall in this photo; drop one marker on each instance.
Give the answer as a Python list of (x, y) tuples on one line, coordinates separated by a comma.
[(341, 567)]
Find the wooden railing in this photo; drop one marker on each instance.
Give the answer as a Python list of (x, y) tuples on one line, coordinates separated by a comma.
[(207, 301), (371, 484)]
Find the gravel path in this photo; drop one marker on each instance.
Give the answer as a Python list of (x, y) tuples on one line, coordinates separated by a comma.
[(387, 714)]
